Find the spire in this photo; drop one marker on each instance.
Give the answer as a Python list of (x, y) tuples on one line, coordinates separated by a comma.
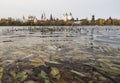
[(51, 17), (66, 14), (23, 17), (42, 17), (70, 14), (93, 17), (93, 20)]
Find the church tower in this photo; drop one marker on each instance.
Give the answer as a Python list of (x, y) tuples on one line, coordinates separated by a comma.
[(93, 20)]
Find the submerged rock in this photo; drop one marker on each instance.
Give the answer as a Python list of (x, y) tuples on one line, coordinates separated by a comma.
[(21, 71), (55, 73), (37, 62), (1, 73)]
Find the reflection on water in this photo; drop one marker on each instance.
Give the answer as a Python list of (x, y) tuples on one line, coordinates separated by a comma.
[(109, 35), (77, 52)]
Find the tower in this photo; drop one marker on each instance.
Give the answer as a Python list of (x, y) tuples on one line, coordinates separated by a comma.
[(70, 16), (51, 17), (93, 20), (24, 20), (110, 21), (43, 17), (67, 16)]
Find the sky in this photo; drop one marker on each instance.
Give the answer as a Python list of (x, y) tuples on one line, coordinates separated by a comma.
[(78, 8)]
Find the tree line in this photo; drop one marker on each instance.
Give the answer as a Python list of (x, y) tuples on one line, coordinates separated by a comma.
[(57, 22)]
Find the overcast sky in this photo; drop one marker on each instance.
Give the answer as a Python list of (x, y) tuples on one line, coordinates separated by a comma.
[(79, 8)]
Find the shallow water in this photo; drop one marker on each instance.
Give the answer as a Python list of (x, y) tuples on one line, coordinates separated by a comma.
[(93, 51), (108, 35)]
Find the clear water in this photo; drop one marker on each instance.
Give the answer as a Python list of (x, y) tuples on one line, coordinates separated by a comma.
[(104, 35)]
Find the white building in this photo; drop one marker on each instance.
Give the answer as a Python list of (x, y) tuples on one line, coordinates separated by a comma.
[(32, 18), (24, 19), (67, 16), (43, 17)]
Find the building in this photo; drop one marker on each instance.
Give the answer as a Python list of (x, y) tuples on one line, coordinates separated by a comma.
[(43, 17), (24, 20), (109, 21), (32, 19), (93, 20), (84, 22), (100, 21), (4, 21), (67, 17), (115, 21)]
